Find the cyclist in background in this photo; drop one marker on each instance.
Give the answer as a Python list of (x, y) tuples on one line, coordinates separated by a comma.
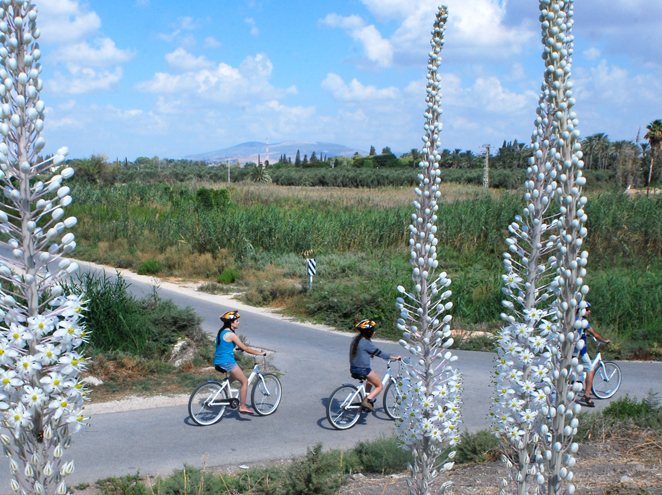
[(360, 352), (586, 360), (224, 361)]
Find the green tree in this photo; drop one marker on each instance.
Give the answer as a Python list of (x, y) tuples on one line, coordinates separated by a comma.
[(654, 138), (297, 159), (372, 151)]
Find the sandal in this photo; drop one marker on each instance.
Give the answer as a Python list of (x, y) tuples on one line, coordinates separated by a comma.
[(587, 401), (247, 411)]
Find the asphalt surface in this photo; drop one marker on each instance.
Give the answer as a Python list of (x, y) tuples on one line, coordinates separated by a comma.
[(313, 361)]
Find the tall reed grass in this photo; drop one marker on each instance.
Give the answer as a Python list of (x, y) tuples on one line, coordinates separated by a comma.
[(359, 238)]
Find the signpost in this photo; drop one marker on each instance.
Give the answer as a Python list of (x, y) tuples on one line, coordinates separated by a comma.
[(311, 266)]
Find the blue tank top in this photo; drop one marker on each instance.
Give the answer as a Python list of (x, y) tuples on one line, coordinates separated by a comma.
[(224, 350)]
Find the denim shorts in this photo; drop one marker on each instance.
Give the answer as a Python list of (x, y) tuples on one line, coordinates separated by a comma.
[(225, 367), (359, 373)]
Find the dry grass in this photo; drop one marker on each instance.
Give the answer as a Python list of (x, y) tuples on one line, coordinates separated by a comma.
[(387, 197)]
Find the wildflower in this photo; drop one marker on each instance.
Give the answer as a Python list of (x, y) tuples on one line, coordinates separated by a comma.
[(18, 418), (27, 365), (512, 280), (48, 354), (533, 314), (7, 352), (528, 416), (18, 336), (539, 373), (72, 362), (40, 325), (53, 382), (59, 406), (537, 343), (514, 434), (33, 397)]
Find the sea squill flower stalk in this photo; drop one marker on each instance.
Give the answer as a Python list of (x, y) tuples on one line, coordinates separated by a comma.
[(523, 372), (557, 437), (41, 396), (534, 410), (431, 399)]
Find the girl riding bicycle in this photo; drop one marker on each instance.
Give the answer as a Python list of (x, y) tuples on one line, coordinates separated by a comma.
[(224, 361), (585, 359), (360, 352)]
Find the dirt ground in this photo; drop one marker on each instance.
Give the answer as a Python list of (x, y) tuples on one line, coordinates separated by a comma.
[(626, 464)]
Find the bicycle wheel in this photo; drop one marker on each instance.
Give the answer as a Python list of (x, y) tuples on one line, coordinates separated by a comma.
[(203, 405), (391, 399), (344, 407), (266, 394), (606, 380)]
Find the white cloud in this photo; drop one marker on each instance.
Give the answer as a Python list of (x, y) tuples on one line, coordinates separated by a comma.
[(356, 91), (65, 21), (490, 94), (592, 53), (180, 31), (211, 42), (475, 28), (84, 80), (377, 49), (613, 86), (252, 25), (102, 53), (92, 62), (221, 83), (183, 61)]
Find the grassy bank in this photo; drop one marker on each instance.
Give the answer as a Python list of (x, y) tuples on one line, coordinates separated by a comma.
[(251, 239), (131, 340)]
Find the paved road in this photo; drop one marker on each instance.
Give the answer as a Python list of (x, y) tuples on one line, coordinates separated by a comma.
[(314, 362)]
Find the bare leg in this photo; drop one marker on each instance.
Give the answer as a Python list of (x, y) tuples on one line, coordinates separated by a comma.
[(238, 374), (376, 382), (588, 388)]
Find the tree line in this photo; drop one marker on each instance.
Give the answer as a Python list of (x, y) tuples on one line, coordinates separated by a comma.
[(626, 163)]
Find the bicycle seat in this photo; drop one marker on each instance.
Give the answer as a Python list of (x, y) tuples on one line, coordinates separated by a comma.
[(359, 377)]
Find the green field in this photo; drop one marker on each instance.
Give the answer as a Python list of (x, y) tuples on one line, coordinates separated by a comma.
[(252, 237)]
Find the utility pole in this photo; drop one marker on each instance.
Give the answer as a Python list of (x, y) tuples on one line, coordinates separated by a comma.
[(227, 164), (486, 170)]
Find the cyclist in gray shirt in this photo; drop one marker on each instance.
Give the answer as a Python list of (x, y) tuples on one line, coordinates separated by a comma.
[(360, 353)]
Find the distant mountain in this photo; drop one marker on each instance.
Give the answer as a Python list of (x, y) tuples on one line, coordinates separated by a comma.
[(249, 151)]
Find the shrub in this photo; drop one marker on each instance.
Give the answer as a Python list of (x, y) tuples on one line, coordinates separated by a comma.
[(149, 267), (118, 322), (315, 474), (477, 447), (383, 456), (207, 199), (123, 485), (228, 276), (621, 415)]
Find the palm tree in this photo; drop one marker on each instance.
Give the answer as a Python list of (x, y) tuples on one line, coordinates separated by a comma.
[(654, 138)]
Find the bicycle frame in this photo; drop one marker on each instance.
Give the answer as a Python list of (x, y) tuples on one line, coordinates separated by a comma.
[(234, 392), (361, 391)]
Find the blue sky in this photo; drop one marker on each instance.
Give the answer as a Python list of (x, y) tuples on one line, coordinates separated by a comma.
[(170, 78)]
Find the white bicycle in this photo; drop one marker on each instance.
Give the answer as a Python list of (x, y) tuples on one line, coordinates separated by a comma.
[(343, 408), (209, 400), (607, 377)]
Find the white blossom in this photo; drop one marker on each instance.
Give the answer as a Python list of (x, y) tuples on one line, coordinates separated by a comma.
[(430, 407), (41, 326)]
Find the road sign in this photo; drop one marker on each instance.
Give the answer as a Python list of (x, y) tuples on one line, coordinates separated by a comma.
[(312, 270)]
